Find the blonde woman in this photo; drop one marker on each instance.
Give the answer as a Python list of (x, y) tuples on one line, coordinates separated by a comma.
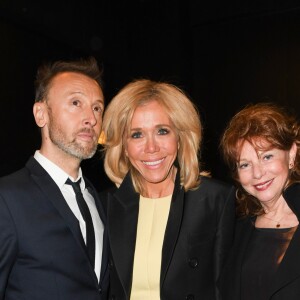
[(169, 227)]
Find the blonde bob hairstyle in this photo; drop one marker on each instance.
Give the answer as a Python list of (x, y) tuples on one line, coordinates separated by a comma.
[(117, 122)]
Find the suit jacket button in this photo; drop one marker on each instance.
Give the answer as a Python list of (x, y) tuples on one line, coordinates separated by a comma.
[(193, 262), (189, 297), (100, 290), (110, 264)]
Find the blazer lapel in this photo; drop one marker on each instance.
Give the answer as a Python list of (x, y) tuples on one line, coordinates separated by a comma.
[(172, 229), (289, 269), (123, 207), (245, 235), (230, 279)]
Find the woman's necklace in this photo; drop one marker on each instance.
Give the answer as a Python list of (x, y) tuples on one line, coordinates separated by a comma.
[(276, 221)]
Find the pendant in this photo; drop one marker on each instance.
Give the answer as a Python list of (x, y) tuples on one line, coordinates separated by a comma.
[(277, 225)]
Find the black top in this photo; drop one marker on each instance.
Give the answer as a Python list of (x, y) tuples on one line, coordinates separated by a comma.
[(266, 249)]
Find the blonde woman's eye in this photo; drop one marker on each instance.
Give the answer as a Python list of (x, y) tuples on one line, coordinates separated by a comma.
[(163, 131), (136, 135)]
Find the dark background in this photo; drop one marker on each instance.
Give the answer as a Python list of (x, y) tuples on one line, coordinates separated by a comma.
[(224, 54)]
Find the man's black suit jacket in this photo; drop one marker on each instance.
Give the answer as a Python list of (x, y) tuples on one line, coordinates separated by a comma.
[(42, 252)]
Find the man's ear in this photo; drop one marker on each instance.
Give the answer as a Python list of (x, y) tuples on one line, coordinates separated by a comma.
[(40, 114)]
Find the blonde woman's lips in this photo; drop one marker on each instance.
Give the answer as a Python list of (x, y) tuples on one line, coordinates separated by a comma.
[(153, 163)]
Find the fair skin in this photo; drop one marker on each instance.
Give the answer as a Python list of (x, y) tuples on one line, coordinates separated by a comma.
[(152, 149), (264, 174), (70, 119)]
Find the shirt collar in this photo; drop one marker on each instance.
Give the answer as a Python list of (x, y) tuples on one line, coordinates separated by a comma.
[(56, 173)]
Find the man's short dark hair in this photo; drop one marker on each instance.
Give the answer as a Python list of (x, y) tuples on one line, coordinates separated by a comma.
[(48, 71)]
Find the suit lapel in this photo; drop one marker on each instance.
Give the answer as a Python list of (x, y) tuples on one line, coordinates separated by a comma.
[(123, 207), (172, 229), (54, 195), (51, 192), (104, 263), (95, 195)]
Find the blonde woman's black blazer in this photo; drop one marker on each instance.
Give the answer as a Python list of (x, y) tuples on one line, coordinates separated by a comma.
[(286, 284), (198, 236)]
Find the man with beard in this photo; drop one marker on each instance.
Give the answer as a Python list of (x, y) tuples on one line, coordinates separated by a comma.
[(53, 241)]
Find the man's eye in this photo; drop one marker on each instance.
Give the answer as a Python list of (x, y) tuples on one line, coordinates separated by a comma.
[(76, 102), (98, 109)]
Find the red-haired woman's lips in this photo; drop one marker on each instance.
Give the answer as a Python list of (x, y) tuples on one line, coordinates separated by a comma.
[(263, 185)]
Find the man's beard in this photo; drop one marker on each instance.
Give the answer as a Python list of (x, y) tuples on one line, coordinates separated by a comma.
[(73, 148)]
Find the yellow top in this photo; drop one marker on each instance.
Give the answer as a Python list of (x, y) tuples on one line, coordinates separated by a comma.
[(152, 221)]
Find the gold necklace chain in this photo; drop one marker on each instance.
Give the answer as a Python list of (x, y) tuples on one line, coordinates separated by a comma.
[(276, 221)]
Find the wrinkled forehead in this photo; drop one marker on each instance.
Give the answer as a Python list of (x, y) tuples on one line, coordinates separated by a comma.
[(143, 103)]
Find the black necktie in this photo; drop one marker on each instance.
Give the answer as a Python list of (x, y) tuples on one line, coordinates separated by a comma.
[(85, 212)]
